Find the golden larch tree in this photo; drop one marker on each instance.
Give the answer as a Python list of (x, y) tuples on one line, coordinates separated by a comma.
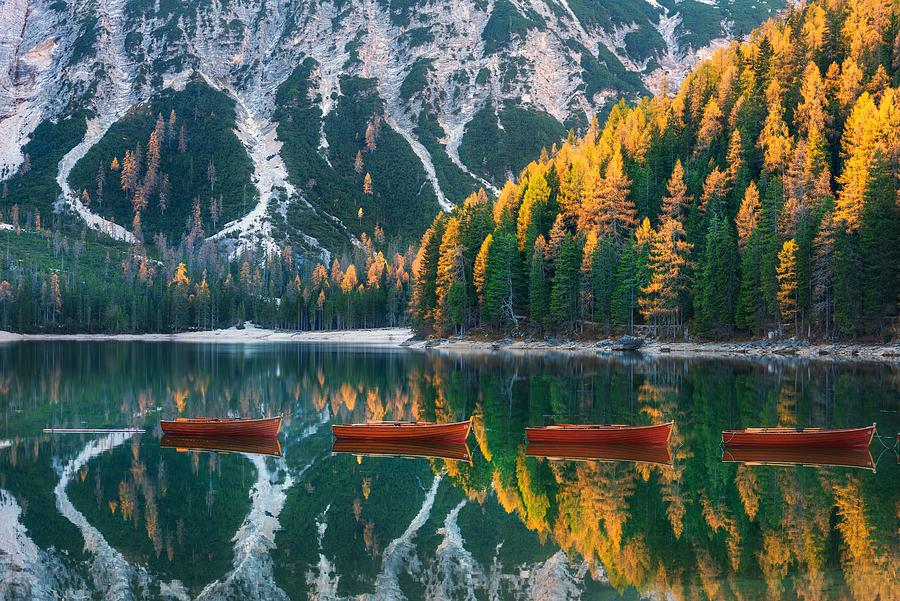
[(786, 273)]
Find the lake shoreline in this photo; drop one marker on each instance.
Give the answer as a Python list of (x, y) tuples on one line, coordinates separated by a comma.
[(776, 349), (250, 334), (401, 337)]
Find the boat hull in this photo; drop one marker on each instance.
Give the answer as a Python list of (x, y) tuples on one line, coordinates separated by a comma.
[(599, 435), (784, 456), (218, 428), (427, 449), (232, 444), (452, 432), (849, 438), (635, 453)]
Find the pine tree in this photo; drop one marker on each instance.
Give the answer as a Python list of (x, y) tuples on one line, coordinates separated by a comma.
[(500, 277), (424, 297), (879, 243), (632, 275), (100, 181), (164, 191), (538, 292), (715, 296), (604, 267), (586, 280), (565, 286), (368, 188), (823, 276)]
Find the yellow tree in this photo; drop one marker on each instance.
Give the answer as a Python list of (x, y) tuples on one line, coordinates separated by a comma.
[(661, 299), (774, 138), (480, 267), (367, 185), (710, 127), (786, 273), (531, 213), (748, 214), (858, 146), (811, 110), (589, 210), (350, 279), (677, 202), (815, 28), (617, 215)]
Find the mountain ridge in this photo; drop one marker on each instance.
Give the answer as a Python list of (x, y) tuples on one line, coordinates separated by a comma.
[(434, 68)]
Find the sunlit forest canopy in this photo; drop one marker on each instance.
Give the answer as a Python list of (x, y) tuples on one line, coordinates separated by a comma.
[(762, 196)]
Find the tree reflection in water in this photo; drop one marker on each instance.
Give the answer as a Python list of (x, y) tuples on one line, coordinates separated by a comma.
[(506, 524)]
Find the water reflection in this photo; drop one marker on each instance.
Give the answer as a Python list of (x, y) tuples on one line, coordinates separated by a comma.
[(124, 514)]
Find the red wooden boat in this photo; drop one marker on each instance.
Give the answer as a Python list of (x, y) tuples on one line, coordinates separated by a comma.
[(601, 434), (232, 444), (379, 430), (786, 456), (636, 453), (810, 438), (427, 449), (223, 427)]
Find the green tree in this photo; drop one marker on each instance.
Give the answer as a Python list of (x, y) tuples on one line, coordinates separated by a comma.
[(715, 295), (565, 286), (538, 292)]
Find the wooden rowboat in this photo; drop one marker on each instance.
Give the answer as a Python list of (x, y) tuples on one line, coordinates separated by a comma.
[(218, 427), (809, 438), (785, 456), (231, 444), (642, 453), (427, 449), (378, 430), (601, 434)]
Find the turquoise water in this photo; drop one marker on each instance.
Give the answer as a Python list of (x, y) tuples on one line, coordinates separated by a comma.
[(120, 516)]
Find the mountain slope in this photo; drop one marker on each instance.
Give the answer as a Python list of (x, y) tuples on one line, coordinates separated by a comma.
[(761, 197), (454, 90)]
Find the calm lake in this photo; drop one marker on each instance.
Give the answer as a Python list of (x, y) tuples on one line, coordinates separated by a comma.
[(123, 516)]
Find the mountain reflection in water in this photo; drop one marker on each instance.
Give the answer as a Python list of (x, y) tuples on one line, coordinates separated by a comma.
[(125, 516)]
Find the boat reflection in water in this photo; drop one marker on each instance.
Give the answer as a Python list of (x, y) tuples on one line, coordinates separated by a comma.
[(231, 444), (454, 451), (853, 458), (558, 451)]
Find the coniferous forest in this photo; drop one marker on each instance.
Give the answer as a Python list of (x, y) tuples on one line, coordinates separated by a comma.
[(761, 197)]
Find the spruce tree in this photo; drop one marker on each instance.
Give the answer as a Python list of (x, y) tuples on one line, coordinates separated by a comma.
[(565, 286), (538, 290)]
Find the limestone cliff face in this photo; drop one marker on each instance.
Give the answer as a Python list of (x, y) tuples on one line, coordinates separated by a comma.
[(433, 64)]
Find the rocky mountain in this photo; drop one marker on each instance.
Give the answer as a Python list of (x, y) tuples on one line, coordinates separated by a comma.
[(313, 121)]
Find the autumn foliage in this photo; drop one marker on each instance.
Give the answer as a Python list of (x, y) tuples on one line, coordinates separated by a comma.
[(761, 196)]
